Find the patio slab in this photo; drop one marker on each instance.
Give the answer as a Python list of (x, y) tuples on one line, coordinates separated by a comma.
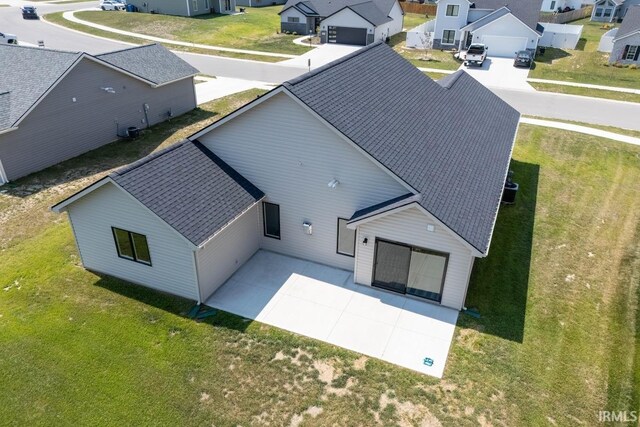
[(324, 303)]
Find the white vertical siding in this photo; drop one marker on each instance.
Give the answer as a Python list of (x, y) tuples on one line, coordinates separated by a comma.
[(231, 248), (391, 28), (172, 261), (292, 156), (410, 227)]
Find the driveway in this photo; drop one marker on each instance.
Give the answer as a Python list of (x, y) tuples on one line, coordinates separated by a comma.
[(500, 73), (320, 56), (323, 303)]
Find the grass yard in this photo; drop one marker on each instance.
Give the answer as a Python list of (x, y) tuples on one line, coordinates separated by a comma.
[(57, 18), (258, 29), (585, 64), (583, 91), (558, 339)]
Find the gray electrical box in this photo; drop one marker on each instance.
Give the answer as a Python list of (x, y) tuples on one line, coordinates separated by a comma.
[(307, 227)]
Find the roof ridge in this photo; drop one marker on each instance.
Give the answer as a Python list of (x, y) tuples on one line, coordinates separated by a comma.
[(126, 49), (147, 159), (332, 64), (72, 52)]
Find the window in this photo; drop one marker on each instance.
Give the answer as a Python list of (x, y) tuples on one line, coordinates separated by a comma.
[(227, 4), (448, 36), (293, 19), (607, 13), (553, 5), (346, 239), (271, 214), (453, 9), (131, 246), (631, 53), (195, 5), (599, 12)]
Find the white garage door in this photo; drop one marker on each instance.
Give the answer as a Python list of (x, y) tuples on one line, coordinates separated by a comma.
[(504, 46)]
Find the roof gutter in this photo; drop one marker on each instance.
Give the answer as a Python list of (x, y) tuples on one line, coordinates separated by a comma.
[(7, 130)]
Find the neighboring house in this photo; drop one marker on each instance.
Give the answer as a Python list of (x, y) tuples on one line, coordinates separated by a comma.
[(554, 5), (626, 42), (186, 7), (55, 105), (325, 167), (355, 22), (611, 10), (505, 26)]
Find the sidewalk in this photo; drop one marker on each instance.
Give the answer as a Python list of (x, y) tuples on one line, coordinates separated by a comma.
[(219, 87), (71, 17), (590, 86), (581, 129)]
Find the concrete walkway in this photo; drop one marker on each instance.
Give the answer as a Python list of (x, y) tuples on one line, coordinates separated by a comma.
[(590, 86), (71, 17), (220, 87), (581, 129), (435, 70)]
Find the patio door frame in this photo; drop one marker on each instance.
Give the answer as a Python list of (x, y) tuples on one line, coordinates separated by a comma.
[(411, 248)]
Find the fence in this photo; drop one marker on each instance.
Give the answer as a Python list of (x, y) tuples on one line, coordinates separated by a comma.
[(561, 18), (424, 9)]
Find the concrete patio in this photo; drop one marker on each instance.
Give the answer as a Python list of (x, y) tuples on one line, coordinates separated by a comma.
[(322, 302)]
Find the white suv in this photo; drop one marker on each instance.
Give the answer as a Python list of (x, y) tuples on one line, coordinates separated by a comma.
[(111, 5)]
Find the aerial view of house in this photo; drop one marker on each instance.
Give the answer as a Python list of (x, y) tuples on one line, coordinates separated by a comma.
[(320, 213), (74, 102), (352, 22), (504, 26)]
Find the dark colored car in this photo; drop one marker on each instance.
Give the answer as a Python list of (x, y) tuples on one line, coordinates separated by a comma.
[(29, 12), (523, 59)]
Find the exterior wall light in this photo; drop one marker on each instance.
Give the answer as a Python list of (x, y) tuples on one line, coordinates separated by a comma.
[(333, 184)]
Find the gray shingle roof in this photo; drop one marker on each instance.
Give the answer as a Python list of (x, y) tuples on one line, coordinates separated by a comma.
[(190, 188), (153, 62), (373, 9), (31, 73), (499, 13), (528, 11), (451, 140), (630, 23)]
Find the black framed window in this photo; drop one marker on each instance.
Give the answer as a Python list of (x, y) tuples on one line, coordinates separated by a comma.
[(293, 19), (453, 10), (346, 242), (448, 36), (631, 53), (131, 246), (599, 12), (607, 13), (271, 216)]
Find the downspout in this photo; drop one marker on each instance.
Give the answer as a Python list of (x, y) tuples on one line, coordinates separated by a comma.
[(195, 266), (188, 10)]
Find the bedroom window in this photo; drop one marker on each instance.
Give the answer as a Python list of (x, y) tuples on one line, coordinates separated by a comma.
[(195, 5), (131, 246), (448, 36), (453, 10), (631, 53), (599, 12), (271, 215), (293, 19), (346, 239), (607, 13)]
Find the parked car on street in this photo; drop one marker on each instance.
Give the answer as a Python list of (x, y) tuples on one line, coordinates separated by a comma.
[(523, 59), (476, 54), (8, 38), (29, 12), (111, 5)]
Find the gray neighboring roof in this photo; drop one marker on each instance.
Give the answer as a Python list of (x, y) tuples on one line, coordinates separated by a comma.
[(451, 140), (190, 188), (324, 8), (153, 62), (5, 109), (370, 11), (630, 23), (31, 73), (34, 71), (528, 11), (487, 19)]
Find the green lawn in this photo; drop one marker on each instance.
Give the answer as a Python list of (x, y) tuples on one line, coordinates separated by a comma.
[(585, 64), (258, 29), (583, 91), (412, 20), (558, 339), (434, 58)]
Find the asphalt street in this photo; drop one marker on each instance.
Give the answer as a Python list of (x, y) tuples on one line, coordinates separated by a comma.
[(542, 104)]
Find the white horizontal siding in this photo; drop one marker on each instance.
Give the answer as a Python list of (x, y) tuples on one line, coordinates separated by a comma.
[(507, 26), (172, 260), (292, 156), (221, 257), (410, 227), (346, 18)]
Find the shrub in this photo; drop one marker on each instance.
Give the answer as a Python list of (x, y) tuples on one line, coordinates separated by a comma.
[(633, 66)]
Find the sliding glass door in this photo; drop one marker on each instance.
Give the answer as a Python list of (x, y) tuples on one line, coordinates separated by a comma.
[(410, 270)]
